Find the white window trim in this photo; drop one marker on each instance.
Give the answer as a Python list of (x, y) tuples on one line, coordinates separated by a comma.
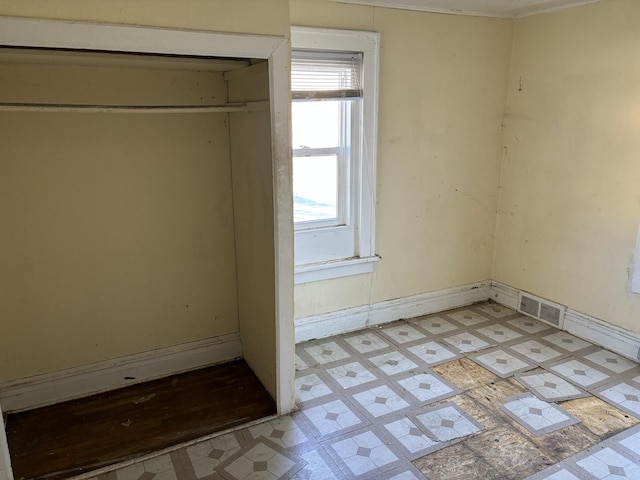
[(356, 41)]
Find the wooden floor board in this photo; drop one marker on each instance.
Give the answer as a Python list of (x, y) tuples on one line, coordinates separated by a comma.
[(81, 435)]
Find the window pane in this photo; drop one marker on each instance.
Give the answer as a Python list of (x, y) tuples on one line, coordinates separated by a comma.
[(315, 192), (316, 124)]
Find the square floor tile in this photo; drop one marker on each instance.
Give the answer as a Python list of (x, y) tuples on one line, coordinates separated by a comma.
[(537, 416), (467, 317), (495, 310), (300, 364), (261, 459), (319, 466), (435, 325), (207, 455), (311, 387), (403, 333), (351, 375), (499, 333), (393, 363), (413, 441), (555, 473), (325, 352), (623, 396), (466, 342), (567, 341), (366, 342), (529, 325), (283, 431), (406, 472), (610, 465), (610, 361), (501, 362), (432, 353), (579, 373), (333, 418), (630, 440), (548, 386), (363, 454), (379, 401), (536, 351), (427, 388), (160, 468), (447, 422)]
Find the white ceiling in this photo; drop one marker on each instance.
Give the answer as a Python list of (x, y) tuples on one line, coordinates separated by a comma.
[(485, 8)]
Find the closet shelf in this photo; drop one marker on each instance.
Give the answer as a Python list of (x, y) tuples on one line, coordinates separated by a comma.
[(75, 108)]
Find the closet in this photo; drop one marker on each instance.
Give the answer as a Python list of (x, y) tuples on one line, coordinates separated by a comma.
[(145, 207)]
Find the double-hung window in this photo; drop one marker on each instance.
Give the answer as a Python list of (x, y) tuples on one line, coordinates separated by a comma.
[(334, 103)]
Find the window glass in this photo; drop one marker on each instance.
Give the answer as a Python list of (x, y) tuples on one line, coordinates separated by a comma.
[(315, 188), (316, 124)]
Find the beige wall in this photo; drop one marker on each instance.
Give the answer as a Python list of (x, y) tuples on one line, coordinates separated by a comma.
[(570, 202), (443, 81), (117, 230), (269, 17)]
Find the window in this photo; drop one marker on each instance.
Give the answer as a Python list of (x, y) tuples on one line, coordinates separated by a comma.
[(334, 92)]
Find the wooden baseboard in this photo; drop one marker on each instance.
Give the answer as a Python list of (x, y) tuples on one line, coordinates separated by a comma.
[(77, 382)]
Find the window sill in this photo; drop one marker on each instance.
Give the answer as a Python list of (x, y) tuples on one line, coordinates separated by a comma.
[(315, 272)]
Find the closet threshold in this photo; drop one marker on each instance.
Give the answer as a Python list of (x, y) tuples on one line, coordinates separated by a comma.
[(76, 108)]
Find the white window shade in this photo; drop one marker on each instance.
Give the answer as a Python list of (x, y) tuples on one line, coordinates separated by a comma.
[(330, 75)]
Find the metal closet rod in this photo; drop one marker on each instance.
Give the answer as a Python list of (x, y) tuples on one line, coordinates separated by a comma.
[(48, 107)]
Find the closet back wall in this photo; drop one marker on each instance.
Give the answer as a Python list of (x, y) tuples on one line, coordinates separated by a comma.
[(117, 229)]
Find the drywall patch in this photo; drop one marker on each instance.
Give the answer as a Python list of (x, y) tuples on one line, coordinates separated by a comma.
[(635, 267)]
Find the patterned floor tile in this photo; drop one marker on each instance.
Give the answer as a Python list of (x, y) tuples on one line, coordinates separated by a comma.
[(548, 386), (555, 473), (393, 363), (529, 325), (447, 422), (325, 352), (537, 351), (380, 401), (468, 318), (300, 364), (466, 342), (207, 455), (261, 459), (427, 388), (537, 416), (623, 396), (406, 472), (499, 333), (311, 387), (351, 375), (366, 342), (413, 441), (363, 454), (495, 310), (403, 333), (501, 362), (157, 468), (435, 325), (283, 431), (432, 353), (566, 341), (333, 418), (630, 440), (611, 361), (319, 466), (610, 465), (579, 373)]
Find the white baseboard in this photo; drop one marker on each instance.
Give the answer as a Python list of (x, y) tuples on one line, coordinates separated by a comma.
[(333, 323), (592, 329), (77, 382)]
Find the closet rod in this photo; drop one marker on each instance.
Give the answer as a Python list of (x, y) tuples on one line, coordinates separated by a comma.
[(36, 107)]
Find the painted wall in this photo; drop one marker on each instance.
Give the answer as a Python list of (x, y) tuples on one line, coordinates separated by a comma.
[(117, 228), (570, 198), (251, 159), (269, 17), (443, 83)]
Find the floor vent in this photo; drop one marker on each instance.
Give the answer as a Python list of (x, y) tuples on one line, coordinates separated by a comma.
[(536, 307)]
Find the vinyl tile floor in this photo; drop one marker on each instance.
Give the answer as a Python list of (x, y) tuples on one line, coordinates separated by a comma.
[(480, 392)]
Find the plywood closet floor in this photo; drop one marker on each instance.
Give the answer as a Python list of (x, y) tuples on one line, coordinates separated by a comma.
[(78, 436)]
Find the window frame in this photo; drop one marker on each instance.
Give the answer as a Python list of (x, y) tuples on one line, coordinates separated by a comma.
[(362, 172)]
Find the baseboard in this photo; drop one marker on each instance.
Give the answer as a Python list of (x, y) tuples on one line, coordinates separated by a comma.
[(333, 323), (77, 382), (592, 329)]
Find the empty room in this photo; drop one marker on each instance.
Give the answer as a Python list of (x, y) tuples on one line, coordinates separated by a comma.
[(320, 239)]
